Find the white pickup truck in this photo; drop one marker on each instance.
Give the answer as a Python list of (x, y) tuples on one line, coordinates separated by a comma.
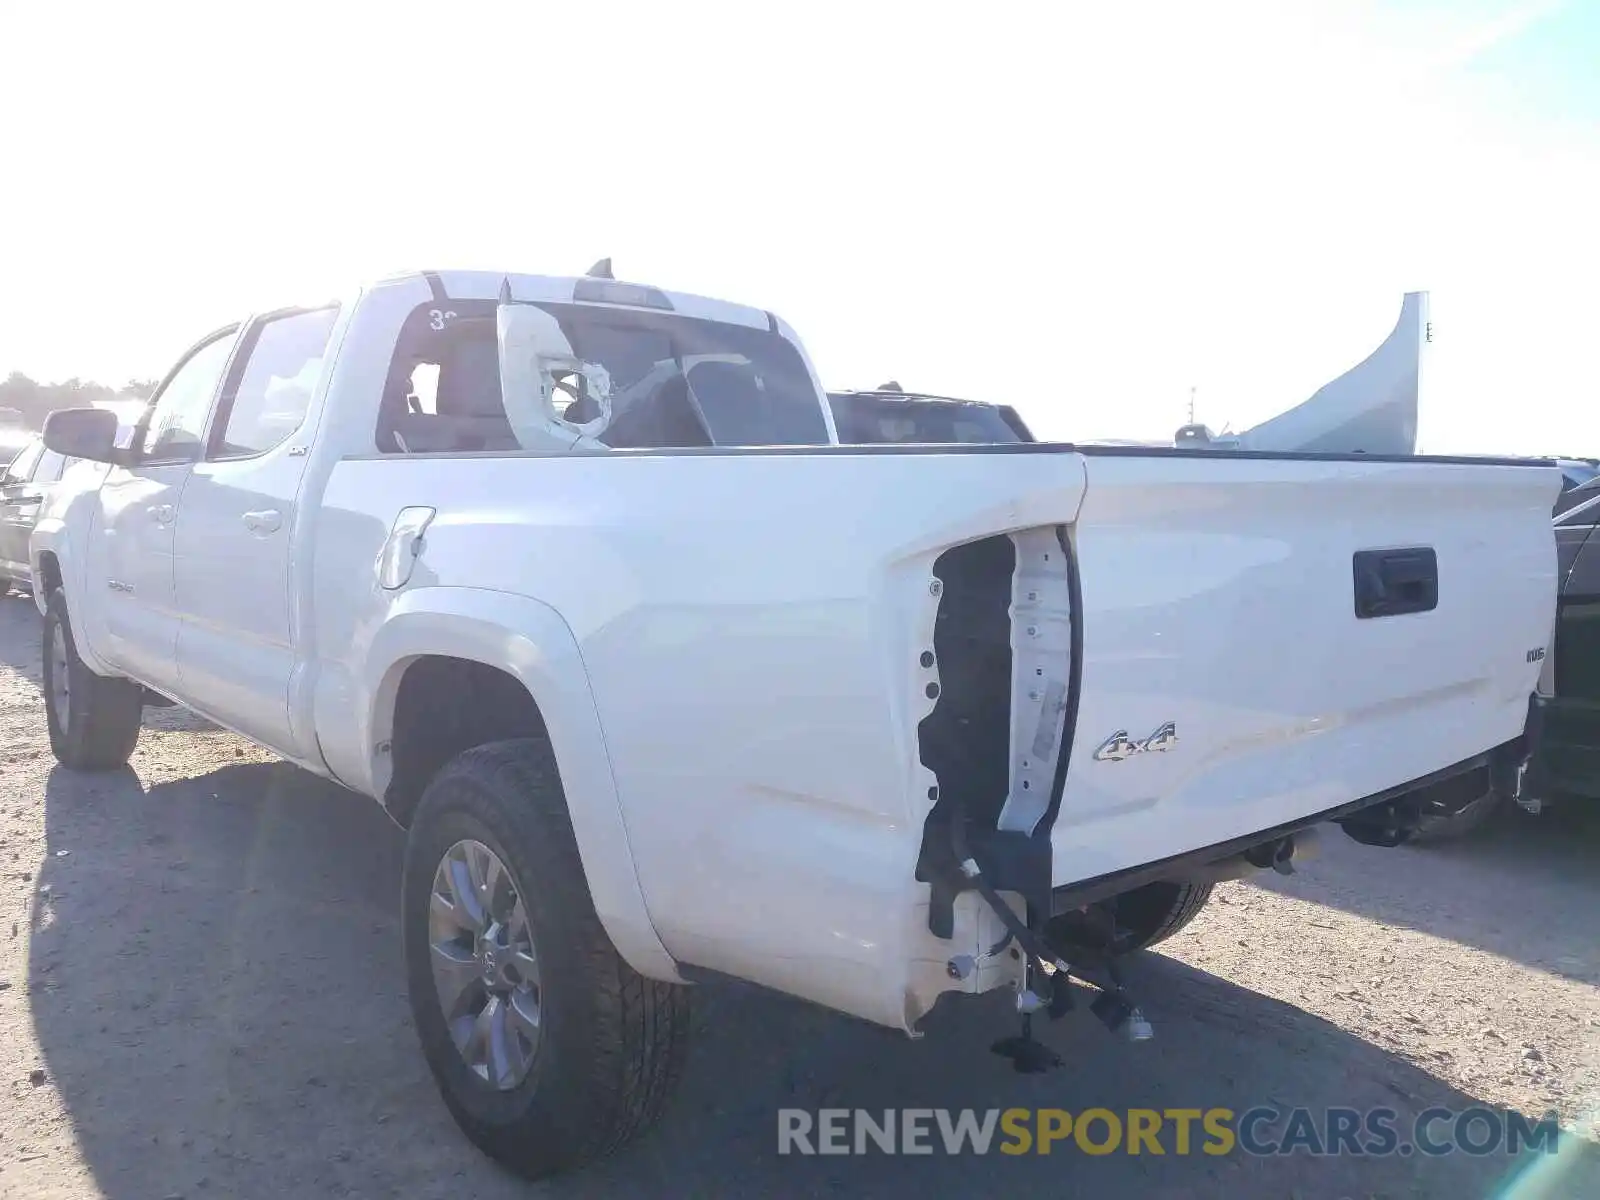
[(573, 576)]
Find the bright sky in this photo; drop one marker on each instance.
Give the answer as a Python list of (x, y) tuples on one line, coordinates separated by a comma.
[(1080, 209)]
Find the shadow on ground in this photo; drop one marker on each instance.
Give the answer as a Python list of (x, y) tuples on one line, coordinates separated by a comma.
[(1518, 887), (216, 985), (21, 644)]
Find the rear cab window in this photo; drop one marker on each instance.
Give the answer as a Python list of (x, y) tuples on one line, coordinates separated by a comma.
[(671, 380)]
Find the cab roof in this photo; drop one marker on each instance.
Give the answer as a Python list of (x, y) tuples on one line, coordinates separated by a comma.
[(447, 284)]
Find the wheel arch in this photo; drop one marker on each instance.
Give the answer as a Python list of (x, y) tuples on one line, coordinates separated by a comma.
[(52, 546), (51, 557), (47, 545), (528, 643)]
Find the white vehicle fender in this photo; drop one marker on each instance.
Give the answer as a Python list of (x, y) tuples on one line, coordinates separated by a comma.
[(55, 535), (532, 642), (49, 536)]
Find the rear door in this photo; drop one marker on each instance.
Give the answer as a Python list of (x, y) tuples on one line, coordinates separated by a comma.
[(134, 621), (233, 548)]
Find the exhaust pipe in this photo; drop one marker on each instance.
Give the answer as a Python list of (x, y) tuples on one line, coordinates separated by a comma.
[(1280, 855)]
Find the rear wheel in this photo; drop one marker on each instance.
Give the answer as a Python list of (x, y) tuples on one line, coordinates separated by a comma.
[(1157, 911), (93, 719), (549, 1050), (1143, 917)]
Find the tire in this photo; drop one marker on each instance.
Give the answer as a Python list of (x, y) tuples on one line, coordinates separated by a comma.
[(1157, 911), (1473, 817), (1144, 917), (611, 1044), (93, 719)]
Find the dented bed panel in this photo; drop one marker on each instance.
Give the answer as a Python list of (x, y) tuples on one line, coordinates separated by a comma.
[(753, 628)]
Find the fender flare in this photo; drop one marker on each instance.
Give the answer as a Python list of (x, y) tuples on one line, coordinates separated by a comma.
[(53, 535), (532, 642), (49, 536)]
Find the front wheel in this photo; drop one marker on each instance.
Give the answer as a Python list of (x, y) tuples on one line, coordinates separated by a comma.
[(93, 719), (549, 1050)]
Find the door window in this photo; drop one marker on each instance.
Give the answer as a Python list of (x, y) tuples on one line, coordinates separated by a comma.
[(49, 468), (176, 420), (21, 468), (272, 391)]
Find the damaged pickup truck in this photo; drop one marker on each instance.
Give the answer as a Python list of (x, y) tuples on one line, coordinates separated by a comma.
[(665, 683)]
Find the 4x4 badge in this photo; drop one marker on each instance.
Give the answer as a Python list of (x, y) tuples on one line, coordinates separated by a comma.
[(1120, 746)]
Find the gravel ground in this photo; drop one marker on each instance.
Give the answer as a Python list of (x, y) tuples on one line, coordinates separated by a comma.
[(201, 995)]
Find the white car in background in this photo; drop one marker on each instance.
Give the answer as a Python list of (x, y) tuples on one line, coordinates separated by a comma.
[(29, 478)]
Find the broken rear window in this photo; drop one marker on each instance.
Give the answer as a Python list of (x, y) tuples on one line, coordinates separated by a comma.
[(671, 381)]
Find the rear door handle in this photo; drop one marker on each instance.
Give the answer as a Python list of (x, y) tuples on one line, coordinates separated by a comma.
[(161, 513), (1389, 583), (263, 520)]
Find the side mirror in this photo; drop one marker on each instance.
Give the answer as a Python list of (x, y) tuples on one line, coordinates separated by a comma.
[(83, 433)]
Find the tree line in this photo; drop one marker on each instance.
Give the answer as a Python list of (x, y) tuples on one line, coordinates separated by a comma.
[(30, 402)]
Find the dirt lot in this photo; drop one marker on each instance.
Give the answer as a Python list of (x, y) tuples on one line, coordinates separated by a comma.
[(202, 997)]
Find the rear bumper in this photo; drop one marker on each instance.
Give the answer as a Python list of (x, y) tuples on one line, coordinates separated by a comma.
[(1383, 818)]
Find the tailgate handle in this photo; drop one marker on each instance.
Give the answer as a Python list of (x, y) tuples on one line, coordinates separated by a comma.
[(1390, 583)]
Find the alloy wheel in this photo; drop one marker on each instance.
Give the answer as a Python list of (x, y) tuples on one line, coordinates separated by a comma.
[(485, 966), (60, 678)]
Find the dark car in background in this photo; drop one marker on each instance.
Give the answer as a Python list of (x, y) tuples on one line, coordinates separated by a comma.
[(1579, 478), (890, 414), (1567, 710), (1563, 734)]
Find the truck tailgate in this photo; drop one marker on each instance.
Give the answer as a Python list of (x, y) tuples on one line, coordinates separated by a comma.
[(1220, 598)]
